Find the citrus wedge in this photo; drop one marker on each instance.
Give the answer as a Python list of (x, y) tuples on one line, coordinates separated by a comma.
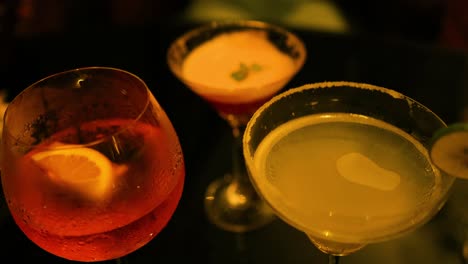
[(449, 150), (81, 169)]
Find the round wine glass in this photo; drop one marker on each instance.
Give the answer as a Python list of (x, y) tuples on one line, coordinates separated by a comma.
[(236, 66), (92, 168), (346, 163)]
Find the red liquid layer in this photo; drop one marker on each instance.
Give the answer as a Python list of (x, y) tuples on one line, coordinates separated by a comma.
[(238, 113), (239, 108), (64, 223)]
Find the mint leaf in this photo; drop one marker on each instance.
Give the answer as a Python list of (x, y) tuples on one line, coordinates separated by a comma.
[(243, 71), (256, 67)]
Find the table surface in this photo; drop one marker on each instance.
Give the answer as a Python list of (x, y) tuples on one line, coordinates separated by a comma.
[(432, 75)]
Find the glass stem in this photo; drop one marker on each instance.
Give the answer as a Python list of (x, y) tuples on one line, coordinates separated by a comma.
[(332, 259), (238, 163), (122, 260)]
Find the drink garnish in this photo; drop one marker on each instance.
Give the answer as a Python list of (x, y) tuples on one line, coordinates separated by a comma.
[(449, 150), (243, 71), (84, 170), (359, 169)]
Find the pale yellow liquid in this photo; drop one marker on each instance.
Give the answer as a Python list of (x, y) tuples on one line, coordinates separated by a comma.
[(345, 178), (209, 67)]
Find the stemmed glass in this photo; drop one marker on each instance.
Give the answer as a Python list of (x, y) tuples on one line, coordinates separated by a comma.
[(92, 168), (236, 66), (346, 163)]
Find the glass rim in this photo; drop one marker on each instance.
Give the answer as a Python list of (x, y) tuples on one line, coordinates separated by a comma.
[(7, 133), (336, 84), (327, 85)]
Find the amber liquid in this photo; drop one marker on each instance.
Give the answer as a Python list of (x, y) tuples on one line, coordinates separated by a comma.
[(71, 226)]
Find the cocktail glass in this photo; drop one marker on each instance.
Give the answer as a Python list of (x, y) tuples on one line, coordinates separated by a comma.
[(92, 168), (346, 163), (236, 66)]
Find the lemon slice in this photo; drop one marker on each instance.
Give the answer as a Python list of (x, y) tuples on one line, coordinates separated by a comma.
[(84, 170), (449, 150)]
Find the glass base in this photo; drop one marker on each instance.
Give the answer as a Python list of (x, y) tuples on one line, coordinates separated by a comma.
[(234, 207), (335, 248)]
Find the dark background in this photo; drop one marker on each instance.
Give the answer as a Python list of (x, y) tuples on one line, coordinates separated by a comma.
[(396, 44)]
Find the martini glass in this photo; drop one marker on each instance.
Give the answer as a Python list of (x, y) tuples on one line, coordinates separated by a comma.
[(346, 163), (92, 168), (236, 66)]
